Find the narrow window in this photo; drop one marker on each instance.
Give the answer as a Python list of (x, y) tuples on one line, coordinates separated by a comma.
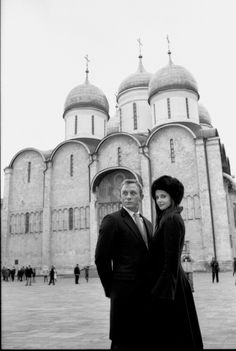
[(119, 156), (29, 171), (187, 107), (71, 165), (135, 116), (92, 124), (76, 125), (168, 107), (234, 214), (154, 112), (120, 119), (172, 151), (27, 222), (71, 218)]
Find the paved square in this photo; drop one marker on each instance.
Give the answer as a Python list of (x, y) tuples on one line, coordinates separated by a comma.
[(69, 316)]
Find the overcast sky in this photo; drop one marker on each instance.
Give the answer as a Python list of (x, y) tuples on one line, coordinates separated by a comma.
[(43, 44)]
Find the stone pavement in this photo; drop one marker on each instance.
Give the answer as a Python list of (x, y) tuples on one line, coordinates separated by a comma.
[(69, 316)]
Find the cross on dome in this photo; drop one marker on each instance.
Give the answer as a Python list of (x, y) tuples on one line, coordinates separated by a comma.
[(169, 52), (87, 70)]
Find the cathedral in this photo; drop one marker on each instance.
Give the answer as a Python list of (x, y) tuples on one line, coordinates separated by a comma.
[(54, 200)]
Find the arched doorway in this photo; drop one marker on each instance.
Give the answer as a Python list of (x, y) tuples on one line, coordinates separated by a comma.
[(108, 192)]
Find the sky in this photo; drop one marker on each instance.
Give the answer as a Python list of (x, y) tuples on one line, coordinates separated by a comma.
[(43, 49)]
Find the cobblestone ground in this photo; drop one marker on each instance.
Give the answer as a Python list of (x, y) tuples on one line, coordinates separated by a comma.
[(69, 316)]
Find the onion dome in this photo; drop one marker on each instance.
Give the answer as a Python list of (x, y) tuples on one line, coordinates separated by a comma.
[(172, 77), (204, 117), (86, 95), (138, 79)]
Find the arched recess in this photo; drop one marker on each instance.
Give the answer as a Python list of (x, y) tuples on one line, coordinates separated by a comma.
[(106, 186)]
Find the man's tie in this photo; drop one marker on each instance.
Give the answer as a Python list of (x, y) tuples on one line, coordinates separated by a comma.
[(141, 228)]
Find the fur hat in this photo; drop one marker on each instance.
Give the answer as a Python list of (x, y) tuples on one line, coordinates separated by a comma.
[(171, 185)]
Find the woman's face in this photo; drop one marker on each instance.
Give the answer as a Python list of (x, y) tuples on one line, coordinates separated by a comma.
[(163, 199)]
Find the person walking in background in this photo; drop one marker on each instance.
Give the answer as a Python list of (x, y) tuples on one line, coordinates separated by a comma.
[(28, 274), (188, 269), (34, 274), (86, 273), (55, 274), (174, 320), (13, 272), (123, 263), (52, 276), (45, 274), (215, 270), (77, 273), (234, 268)]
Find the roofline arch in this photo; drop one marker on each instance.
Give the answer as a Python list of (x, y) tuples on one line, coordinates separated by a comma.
[(117, 134), (169, 125), (101, 174), (25, 150), (68, 142)]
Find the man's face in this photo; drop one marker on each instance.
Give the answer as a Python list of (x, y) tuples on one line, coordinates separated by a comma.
[(131, 197)]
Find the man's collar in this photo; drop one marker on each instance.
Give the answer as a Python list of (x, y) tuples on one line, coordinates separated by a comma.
[(131, 213)]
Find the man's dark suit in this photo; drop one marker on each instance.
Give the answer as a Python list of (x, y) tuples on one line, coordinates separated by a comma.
[(123, 264)]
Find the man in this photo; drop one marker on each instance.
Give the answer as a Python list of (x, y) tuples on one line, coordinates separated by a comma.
[(123, 263), (188, 269), (28, 274), (52, 276), (215, 270), (77, 273)]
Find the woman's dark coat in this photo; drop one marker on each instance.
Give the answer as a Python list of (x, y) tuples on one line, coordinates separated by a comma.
[(174, 319)]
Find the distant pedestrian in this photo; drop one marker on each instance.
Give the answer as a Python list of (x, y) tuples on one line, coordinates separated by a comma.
[(234, 267), (86, 273), (215, 270), (34, 274), (45, 274), (55, 274), (52, 276), (188, 269), (13, 272), (77, 274), (28, 274)]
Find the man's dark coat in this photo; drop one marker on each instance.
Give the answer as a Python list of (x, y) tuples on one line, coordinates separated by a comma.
[(123, 264)]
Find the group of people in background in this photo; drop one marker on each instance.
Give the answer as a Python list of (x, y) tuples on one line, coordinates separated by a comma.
[(77, 272), (27, 274)]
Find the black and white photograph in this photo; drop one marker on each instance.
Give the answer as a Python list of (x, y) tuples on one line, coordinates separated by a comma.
[(118, 174)]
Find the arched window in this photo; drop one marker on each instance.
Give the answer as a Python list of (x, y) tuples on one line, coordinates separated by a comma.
[(27, 222), (71, 219), (71, 165), (76, 125), (92, 124), (154, 112), (172, 151), (135, 116), (187, 107), (119, 156), (168, 108), (120, 119), (29, 171)]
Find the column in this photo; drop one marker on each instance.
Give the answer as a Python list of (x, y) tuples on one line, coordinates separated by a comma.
[(46, 234), (6, 215)]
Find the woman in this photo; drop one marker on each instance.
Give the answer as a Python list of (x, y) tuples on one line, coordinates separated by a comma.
[(173, 318)]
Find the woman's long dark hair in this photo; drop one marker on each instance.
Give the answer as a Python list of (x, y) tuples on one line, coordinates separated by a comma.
[(159, 213)]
